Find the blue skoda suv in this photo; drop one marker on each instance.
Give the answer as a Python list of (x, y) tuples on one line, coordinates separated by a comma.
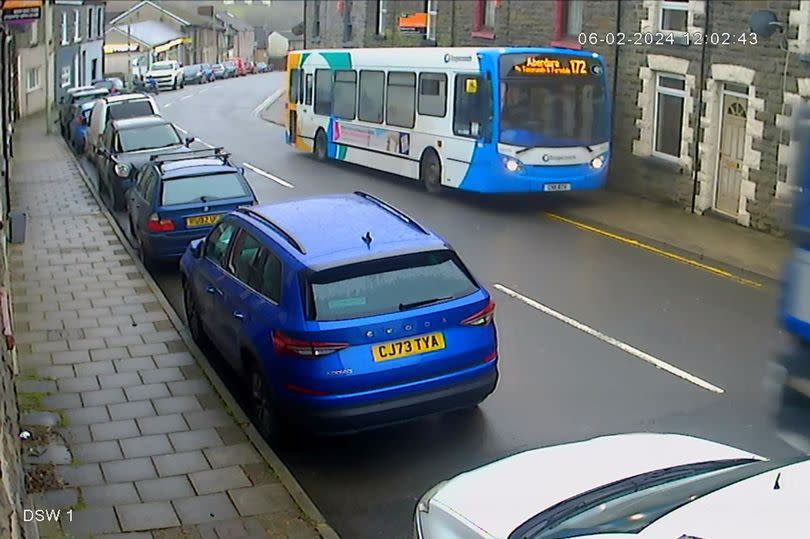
[(341, 313)]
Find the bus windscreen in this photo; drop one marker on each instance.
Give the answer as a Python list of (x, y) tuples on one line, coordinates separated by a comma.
[(553, 101)]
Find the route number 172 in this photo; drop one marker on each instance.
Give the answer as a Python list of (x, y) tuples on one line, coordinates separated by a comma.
[(578, 67)]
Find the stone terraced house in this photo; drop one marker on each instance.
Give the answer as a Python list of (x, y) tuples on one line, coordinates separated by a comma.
[(702, 113)]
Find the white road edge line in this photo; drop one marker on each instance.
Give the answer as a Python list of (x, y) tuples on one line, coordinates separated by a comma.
[(275, 95), (269, 176), (796, 441), (644, 356), (186, 97), (203, 90), (167, 105)]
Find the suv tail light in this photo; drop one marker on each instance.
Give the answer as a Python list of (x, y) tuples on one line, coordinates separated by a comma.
[(482, 317), (287, 346), (156, 224)]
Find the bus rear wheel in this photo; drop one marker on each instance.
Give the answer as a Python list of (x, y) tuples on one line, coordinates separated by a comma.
[(320, 146), (430, 172)]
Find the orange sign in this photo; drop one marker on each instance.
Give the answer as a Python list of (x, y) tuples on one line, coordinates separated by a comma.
[(21, 11), (549, 66), (414, 23)]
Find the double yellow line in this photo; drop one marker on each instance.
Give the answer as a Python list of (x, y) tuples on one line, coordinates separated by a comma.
[(660, 252)]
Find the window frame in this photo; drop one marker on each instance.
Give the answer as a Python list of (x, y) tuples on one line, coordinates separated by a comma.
[(415, 97), (360, 93), (37, 84), (348, 28), (331, 91), (479, 26), (673, 6), (294, 93), (100, 22), (432, 9), (34, 37), (268, 252), (230, 268), (487, 135), (672, 92), (316, 21), (227, 253), (308, 89), (77, 23), (90, 15), (65, 36), (419, 94), (335, 82), (380, 18), (65, 74)]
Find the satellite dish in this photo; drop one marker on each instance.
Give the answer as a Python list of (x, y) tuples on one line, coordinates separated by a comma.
[(764, 23)]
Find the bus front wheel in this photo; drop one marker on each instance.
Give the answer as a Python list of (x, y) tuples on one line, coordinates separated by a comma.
[(320, 146), (430, 171)]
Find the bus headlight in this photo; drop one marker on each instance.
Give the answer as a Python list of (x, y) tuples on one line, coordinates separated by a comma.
[(122, 169), (511, 164), (598, 162)]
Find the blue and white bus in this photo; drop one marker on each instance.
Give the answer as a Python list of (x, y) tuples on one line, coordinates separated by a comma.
[(488, 120)]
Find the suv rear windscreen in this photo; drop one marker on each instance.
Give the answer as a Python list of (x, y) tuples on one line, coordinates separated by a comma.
[(387, 285), (129, 109)]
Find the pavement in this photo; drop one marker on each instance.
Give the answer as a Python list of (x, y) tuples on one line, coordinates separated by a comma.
[(132, 434), (702, 237), (601, 330)]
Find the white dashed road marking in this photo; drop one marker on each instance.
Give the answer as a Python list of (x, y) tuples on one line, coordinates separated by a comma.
[(186, 97), (203, 143), (644, 356), (167, 105), (269, 176)]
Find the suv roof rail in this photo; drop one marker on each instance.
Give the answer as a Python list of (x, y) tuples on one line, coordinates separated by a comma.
[(278, 229), (160, 158), (391, 209)]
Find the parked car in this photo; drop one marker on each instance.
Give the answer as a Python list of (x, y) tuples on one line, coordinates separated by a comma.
[(314, 325), (250, 68), (261, 67), (230, 70), (179, 198), (117, 107), (639, 485), (208, 72), (168, 74), (78, 125), (113, 85), (218, 71), (81, 94), (194, 74), (126, 146), (240, 67)]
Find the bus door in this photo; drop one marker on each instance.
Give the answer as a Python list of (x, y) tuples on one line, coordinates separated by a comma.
[(294, 102), (472, 119)]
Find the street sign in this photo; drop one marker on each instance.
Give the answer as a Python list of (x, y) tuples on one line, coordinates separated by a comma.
[(21, 11)]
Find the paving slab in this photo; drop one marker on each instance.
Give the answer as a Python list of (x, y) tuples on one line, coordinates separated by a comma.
[(208, 508), (219, 480), (111, 494), (146, 446), (147, 516), (165, 488)]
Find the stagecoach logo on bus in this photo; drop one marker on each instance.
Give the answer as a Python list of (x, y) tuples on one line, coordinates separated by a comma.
[(450, 58), (373, 138), (548, 157)]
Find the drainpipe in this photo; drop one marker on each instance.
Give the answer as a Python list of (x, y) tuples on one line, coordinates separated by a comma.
[(453, 25), (696, 132), (616, 64)]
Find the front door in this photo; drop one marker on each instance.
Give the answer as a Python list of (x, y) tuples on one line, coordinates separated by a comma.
[(730, 158)]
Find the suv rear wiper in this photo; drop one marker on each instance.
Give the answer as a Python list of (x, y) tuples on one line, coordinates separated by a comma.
[(406, 306)]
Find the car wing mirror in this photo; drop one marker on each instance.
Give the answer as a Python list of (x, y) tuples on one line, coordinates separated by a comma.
[(189, 140), (198, 247)]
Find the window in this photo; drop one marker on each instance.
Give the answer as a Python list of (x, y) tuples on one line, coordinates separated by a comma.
[(381, 12), (295, 86), (387, 286), (345, 105), (129, 109), (94, 69), (484, 13), (401, 99), (90, 23), (34, 33), (432, 11), (308, 90), (316, 20), (64, 28), (674, 15), (31, 79), (472, 111), (433, 94), (100, 22), (148, 137), (323, 92), (243, 259), (77, 25), (211, 187), (65, 78), (218, 241), (151, 184), (573, 17), (372, 92), (670, 94), (271, 277), (347, 21)]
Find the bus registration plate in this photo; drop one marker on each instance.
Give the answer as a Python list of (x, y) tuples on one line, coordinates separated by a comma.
[(557, 187)]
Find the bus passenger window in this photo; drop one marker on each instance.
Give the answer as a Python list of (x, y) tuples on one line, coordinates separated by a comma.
[(295, 85), (472, 113), (433, 94), (323, 92), (308, 90), (345, 105), (401, 99), (372, 92)]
